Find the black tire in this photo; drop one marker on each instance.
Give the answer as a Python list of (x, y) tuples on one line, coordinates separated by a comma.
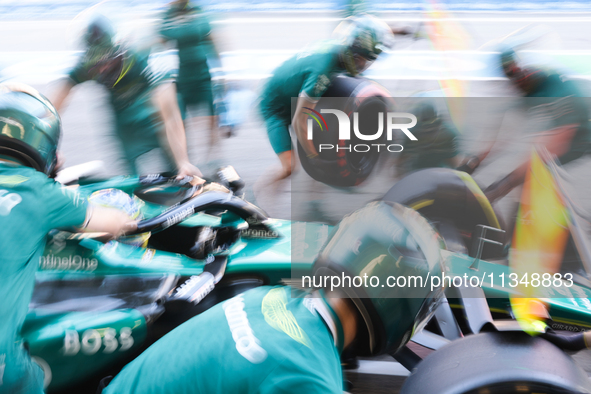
[(344, 168), (176, 313), (454, 241), (498, 363), (443, 193)]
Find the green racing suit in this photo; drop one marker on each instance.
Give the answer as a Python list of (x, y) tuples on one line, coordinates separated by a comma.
[(189, 27), (139, 126), (558, 102), (308, 72), (552, 102), (31, 205), (261, 341)]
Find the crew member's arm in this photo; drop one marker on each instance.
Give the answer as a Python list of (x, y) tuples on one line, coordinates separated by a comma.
[(78, 74), (454, 161), (557, 141), (68, 210), (165, 99), (312, 89), (214, 53), (107, 220), (452, 146), (58, 97), (299, 124), (470, 163)]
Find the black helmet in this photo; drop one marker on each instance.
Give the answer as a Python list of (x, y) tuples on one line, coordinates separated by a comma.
[(520, 75), (384, 240), (428, 119), (100, 32), (426, 113), (30, 127), (104, 57)]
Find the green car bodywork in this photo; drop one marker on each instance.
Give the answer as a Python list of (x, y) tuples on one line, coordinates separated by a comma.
[(72, 345)]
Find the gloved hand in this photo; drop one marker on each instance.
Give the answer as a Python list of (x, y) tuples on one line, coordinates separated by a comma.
[(469, 165), (188, 170), (573, 342), (321, 164)]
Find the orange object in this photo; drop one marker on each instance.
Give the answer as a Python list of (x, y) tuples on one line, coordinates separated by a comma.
[(447, 35), (539, 240)]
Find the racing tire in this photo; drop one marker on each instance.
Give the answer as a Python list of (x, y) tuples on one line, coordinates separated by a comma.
[(176, 313), (345, 167), (498, 363), (452, 196)]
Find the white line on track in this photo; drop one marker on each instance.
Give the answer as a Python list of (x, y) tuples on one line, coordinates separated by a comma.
[(545, 19), (575, 52), (29, 58), (549, 19), (272, 19)]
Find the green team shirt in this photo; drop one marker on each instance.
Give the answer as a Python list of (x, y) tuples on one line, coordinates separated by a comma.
[(134, 82), (190, 28), (558, 102), (30, 206), (354, 7), (432, 149), (137, 119), (262, 341), (309, 72)]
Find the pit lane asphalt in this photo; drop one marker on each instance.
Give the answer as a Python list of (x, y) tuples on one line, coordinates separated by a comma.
[(87, 120)]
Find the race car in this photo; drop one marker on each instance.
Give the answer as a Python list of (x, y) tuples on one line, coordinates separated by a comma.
[(98, 304)]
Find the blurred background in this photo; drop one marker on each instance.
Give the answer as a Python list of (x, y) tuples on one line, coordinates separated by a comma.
[(447, 41), (449, 49)]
